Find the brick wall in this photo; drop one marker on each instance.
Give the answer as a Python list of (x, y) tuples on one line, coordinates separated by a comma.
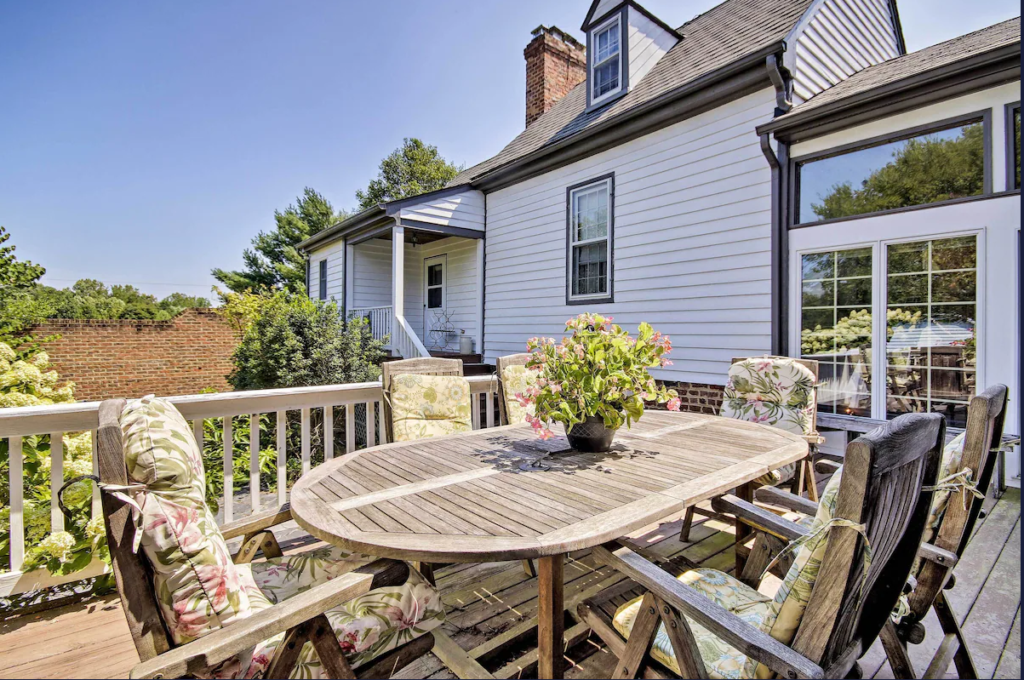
[(126, 358), (555, 64), (698, 397)]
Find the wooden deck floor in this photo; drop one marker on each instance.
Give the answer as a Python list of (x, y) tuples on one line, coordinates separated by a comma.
[(492, 604)]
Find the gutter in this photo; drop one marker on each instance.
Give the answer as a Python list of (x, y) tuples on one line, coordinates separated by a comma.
[(346, 226), (628, 125), (959, 72)]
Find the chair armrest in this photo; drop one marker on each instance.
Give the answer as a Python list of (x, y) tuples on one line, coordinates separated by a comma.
[(753, 642), (784, 499), (257, 522), (223, 644), (813, 438), (937, 555), (758, 518), (827, 467)]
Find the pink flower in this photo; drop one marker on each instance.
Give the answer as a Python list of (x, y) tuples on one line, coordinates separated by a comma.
[(666, 362), (674, 403), (556, 388), (545, 433)]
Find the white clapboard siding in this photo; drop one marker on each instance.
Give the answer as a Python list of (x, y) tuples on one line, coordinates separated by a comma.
[(334, 253), (371, 274), (692, 243), (603, 7), (837, 38), (464, 210), (648, 42)]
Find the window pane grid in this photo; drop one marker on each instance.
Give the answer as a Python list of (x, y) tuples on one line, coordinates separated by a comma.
[(589, 241), (930, 338), (837, 332), (605, 71)]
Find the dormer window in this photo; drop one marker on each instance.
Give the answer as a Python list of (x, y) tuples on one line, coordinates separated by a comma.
[(606, 68)]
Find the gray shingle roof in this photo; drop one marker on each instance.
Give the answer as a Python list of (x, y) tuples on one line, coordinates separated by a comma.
[(942, 54), (717, 38)]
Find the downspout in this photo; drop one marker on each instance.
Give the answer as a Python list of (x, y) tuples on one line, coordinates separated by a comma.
[(777, 251), (782, 82)]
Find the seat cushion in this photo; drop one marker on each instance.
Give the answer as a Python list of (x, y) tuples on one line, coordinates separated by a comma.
[(424, 406), (366, 626), (774, 391), (197, 586), (720, 659), (514, 381)]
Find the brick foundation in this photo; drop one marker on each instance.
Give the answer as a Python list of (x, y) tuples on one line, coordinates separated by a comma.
[(698, 397), (127, 358)]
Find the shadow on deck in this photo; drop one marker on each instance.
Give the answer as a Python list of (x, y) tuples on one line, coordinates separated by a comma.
[(492, 609)]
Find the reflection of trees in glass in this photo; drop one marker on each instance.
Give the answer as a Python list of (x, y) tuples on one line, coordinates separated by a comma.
[(852, 332), (924, 170)]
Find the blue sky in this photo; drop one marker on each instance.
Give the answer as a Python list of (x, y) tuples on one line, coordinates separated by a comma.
[(147, 143)]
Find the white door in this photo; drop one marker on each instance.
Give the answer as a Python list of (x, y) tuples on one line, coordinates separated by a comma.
[(434, 283)]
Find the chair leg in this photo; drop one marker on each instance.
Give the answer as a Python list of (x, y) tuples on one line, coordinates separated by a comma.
[(691, 665), (684, 533), (287, 654), (529, 568), (645, 628), (328, 649), (965, 666), (899, 660), (812, 482), (426, 571)]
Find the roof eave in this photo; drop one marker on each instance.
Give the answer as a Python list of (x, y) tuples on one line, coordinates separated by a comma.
[(961, 71), (347, 226)]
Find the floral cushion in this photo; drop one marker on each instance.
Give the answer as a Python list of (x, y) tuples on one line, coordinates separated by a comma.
[(720, 659), (779, 617), (366, 626), (514, 381), (424, 406), (774, 391), (197, 585)]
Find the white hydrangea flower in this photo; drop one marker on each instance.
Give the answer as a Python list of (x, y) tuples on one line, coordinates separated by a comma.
[(17, 399), (41, 360), (6, 352), (58, 546), (95, 528)]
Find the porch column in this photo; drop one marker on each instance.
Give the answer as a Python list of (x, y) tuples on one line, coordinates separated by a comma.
[(350, 279), (397, 274)]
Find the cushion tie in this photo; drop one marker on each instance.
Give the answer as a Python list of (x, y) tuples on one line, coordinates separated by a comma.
[(818, 534), (117, 491), (959, 480)]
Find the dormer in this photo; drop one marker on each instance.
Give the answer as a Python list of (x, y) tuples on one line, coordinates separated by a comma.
[(624, 42)]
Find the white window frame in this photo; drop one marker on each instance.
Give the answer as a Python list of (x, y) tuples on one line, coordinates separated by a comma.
[(594, 64), (608, 184), (832, 240)]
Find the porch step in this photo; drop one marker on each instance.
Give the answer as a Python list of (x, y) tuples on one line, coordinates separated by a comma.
[(466, 358), (472, 364)]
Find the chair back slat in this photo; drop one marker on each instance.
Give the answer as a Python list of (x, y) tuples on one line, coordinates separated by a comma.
[(881, 489), (424, 366), (131, 570), (500, 365)]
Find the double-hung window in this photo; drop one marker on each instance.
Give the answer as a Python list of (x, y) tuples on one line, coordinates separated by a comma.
[(606, 64), (590, 224), (323, 279)]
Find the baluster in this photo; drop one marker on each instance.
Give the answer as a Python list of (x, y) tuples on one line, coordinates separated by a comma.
[(254, 461), (489, 408), (476, 411), (229, 471), (350, 428), (282, 468), (56, 480), (328, 432), (305, 440), (97, 507), (370, 424), (382, 436), (16, 480), (197, 431)]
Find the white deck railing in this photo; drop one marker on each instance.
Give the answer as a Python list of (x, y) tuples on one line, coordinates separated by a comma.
[(55, 421), (379, 318), (405, 342)]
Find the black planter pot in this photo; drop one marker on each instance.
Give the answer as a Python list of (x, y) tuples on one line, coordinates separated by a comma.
[(590, 436)]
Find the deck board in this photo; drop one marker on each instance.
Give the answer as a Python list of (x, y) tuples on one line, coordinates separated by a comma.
[(91, 639)]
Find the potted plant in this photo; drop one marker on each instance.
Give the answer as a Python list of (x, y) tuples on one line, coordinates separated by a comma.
[(595, 380)]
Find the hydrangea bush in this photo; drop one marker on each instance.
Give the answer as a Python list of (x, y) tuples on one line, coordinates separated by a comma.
[(598, 369), (26, 379)]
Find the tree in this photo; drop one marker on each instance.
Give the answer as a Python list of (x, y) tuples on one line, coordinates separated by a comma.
[(922, 171), (412, 169), (17, 310), (274, 262)]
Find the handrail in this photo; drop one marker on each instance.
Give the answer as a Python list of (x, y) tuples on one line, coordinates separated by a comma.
[(379, 318), (406, 341), (56, 420)]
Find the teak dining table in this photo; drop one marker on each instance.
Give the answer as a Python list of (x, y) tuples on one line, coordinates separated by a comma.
[(502, 494)]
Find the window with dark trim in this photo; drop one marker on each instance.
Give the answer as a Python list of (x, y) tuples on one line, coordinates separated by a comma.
[(918, 168), (589, 222), (606, 63), (323, 279)]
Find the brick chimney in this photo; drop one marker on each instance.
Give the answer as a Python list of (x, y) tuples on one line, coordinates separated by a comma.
[(555, 63)]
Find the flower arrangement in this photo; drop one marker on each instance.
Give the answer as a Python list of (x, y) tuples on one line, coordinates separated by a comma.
[(597, 371)]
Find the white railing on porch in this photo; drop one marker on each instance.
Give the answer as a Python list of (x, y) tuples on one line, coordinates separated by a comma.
[(334, 400), (379, 318), (405, 342)]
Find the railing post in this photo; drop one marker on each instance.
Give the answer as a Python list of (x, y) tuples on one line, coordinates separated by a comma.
[(56, 480), (229, 471), (16, 491), (254, 462), (282, 469)]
